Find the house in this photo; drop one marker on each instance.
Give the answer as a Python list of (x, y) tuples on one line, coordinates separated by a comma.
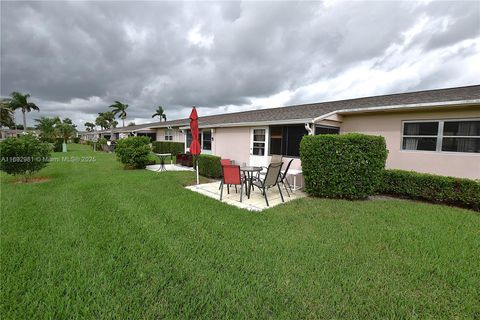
[(433, 131)]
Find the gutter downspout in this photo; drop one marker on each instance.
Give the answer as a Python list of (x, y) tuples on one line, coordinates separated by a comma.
[(309, 127)]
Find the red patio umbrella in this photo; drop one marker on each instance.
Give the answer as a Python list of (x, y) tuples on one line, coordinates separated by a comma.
[(195, 145)]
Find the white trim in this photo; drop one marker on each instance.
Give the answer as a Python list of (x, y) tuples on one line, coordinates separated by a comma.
[(253, 124), (400, 107)]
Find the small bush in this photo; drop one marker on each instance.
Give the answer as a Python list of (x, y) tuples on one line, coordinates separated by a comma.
[(24, 155), (133, 152), (152, 159), (168, 147), (345, 166), (98, 146), (209, 166), (76, 139), (432, 188)]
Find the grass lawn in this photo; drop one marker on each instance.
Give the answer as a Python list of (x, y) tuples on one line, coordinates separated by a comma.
[(97, 241)]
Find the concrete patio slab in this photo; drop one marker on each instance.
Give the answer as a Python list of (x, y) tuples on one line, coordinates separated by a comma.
[(169, 167), (256, 201)]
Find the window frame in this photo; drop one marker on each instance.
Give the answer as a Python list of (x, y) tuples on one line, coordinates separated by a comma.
[(264, 142), (439, 135), (202, 140), (168, 135)]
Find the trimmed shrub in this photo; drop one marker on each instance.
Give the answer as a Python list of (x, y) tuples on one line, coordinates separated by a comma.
[(152, 159), (76, 139), (57, 145), (168, 147), (347, 166), (24, 155), (433, 188), (133, 152), (209, 166)]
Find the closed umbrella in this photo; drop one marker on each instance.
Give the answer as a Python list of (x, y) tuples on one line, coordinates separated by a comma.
[(195, 145)]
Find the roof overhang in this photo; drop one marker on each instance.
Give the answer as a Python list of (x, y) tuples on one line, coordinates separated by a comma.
[(252, 124), (403, 107)]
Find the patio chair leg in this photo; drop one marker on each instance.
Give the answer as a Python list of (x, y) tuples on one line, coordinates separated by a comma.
[(280, 189), (221, 190), (241, 193), (286, 189), (265, 195), (236, 191), (228, 188), (288, 184)]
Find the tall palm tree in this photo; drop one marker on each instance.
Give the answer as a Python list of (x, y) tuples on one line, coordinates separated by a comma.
[(160, 113), (6, 114), (120, 109), (20, 101)]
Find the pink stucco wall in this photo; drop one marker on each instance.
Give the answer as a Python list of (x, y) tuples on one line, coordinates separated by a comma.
[(232, 143), (389, 125)]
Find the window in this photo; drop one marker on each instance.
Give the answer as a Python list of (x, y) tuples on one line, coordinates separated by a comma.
[(285, 140), (420, 136), (461, 136), (207, 140), (442, 135), (168, 134), (259, 142), (326, 130), (189, 138)]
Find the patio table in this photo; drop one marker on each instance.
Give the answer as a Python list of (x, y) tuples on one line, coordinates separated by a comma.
[(248, 173), (162, 157), (294, 173)]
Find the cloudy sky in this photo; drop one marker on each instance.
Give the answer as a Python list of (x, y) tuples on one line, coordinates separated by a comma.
[(75, 58)]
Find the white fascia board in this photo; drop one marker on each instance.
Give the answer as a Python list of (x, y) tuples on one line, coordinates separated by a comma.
[(252, 124), (401, 107)]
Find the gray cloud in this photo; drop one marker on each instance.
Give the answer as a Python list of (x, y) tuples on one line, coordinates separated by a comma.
[(75, 57)]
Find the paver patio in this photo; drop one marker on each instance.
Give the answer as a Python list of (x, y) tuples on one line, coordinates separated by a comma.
[(256, 201), (169, 167)]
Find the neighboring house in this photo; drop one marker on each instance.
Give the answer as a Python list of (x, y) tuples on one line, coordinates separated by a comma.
[(7, 133), (434, 131)]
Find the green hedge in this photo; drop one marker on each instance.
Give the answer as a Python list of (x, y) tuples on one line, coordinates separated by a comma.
[(345, 166), (209, 166), (168, 147), (433, 188)]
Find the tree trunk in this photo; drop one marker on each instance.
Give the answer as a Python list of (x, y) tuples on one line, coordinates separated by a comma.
[(123, 122), (24, 121)]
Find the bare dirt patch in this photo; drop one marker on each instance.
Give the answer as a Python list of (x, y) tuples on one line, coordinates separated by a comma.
[(32, 180)]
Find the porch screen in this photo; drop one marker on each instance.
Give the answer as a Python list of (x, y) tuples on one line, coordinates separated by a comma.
[(285, 140)]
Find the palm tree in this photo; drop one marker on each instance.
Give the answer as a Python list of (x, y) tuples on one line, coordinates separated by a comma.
[(6, 114), (120, 109), (160, 113), (47, 128), (20, 101), (89, 126)]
